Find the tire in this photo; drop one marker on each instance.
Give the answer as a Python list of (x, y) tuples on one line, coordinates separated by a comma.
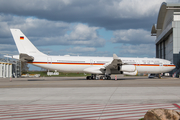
[(88, 77)]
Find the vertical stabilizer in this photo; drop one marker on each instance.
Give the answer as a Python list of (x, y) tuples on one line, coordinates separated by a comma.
[(23, 44)]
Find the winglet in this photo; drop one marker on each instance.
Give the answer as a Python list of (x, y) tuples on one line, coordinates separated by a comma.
[(115, 56)]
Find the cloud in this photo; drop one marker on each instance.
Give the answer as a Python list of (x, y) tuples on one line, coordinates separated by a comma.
[(31, 27), (133, 36), (83, 32), (139, 8), (84, 35), (84, 51), (43, 32), (81, 49), (134, 43), (76, 22), (7, 49), (141, 50), (40, 27), (80, 34), (110, 14)]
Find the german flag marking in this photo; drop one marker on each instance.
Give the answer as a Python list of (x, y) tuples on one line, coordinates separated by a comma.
[(21, 37)]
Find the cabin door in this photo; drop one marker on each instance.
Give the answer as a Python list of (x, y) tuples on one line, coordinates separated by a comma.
[(49, 60), (138, 63), (91, 62)]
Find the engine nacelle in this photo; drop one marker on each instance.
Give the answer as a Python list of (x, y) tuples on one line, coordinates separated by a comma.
[(131, 73), (128, 68)]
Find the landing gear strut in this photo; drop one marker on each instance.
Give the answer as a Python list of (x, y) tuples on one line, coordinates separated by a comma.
[(92, 77), (105, 77)]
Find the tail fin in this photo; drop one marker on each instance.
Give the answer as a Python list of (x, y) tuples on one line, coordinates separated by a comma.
[(23, 43)]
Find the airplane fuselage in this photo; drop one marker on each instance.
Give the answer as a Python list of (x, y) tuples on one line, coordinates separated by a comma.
[(80, 63)]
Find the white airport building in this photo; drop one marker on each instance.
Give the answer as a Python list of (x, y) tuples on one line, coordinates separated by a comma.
[(167, 32), (10, 68)]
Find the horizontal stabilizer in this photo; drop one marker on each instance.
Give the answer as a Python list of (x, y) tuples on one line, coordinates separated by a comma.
[(7, 56)]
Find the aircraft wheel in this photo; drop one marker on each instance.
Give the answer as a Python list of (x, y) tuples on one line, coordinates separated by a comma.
[(109, 78), (101, 78), (88, 78)]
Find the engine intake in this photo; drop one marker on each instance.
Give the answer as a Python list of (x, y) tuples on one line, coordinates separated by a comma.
[(131, 73), (128, 68)]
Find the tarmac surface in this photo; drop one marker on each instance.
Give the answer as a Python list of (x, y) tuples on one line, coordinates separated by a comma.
[(61, 82), (100, 99)]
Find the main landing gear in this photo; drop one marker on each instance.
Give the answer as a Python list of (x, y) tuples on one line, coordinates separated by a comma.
[(94, 77), (105, 77)]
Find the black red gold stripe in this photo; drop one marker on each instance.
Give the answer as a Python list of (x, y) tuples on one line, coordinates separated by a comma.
[(66, 63), (96, 64), (165, 65)]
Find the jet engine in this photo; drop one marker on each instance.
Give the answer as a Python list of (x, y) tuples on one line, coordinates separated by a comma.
[(131, 73), (128, 68)]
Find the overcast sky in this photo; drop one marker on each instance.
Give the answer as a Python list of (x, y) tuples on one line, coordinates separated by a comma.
[(82, 27)]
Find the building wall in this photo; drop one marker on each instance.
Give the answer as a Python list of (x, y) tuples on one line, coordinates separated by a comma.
[(168, 19), (5, 70), (168, 46), (167, 51), (10, 68), (167, 32), (176, 39)]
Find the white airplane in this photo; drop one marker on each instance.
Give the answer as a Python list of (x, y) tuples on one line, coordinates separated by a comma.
[(104, 66)]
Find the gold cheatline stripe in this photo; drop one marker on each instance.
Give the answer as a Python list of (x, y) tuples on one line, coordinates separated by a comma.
[(95, 64), (66, 63)]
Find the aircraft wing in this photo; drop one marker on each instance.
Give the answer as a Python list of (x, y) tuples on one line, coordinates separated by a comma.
[(115, 64)]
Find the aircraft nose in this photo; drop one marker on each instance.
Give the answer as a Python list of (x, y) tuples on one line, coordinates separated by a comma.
[(173, 66)]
